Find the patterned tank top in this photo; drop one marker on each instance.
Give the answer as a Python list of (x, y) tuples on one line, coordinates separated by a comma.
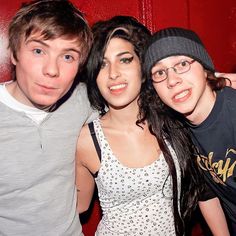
[(134, 201)]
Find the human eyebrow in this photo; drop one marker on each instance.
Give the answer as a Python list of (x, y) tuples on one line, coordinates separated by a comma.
[(72, 50), (123, 53), (37, 41), (69, 49)]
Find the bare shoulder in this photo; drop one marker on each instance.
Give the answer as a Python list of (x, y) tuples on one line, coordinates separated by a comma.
[(84, 135), (84, 143), (86, 154)]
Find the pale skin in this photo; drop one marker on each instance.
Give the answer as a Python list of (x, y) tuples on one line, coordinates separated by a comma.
[(119, 82), (210, 209), (186, 93), (45, 70), (190, 95)]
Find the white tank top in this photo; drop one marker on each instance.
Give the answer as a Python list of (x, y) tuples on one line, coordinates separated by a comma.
[(134, 201)]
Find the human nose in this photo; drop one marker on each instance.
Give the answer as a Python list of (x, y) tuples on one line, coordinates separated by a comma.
[(51, 68), (114, 72), (172, 78)]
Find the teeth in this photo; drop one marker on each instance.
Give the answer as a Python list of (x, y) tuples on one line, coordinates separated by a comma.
[(118, 86), (181, 95)]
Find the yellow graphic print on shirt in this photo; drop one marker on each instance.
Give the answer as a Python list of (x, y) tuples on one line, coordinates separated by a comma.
[(220, 170)]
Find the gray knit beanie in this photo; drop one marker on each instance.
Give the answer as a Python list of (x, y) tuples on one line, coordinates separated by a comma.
[(173, 42)]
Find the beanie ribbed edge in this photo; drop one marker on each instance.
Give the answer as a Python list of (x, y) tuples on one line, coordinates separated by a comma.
[(174, 42)]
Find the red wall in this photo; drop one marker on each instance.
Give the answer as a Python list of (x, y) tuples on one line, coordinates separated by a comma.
[(213, 20)]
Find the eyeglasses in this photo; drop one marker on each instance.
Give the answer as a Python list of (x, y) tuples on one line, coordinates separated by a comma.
[(179, 68)]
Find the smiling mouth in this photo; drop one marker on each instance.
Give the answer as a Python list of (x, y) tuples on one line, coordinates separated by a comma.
[(117, 87)]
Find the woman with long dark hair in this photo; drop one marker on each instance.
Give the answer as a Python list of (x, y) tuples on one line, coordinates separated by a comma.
[(147, 181)]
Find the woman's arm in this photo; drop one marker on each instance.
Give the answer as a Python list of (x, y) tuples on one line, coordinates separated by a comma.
[(214, 216), (85, 187), (84, 180)]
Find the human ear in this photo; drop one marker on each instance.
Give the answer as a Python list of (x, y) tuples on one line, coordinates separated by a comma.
[(13, 59)]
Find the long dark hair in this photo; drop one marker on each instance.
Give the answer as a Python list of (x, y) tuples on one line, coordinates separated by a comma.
[(159, 124), (124, 27), (167, 124)]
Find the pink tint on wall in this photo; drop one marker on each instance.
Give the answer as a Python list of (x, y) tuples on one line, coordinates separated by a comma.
[(7, 10), (4, 52)]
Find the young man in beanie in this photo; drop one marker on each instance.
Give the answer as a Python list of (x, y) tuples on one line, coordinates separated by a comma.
[(41, 117), (181, 72)]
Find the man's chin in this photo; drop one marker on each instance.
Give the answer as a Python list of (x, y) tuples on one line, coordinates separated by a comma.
[(44, 107)]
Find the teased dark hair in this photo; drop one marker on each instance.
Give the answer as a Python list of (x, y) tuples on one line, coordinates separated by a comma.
[(124, 27), (163, 126)]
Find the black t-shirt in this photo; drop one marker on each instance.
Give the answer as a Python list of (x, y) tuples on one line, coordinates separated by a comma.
[(215, 139)]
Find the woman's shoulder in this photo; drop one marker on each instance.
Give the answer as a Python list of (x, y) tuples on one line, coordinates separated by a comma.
[(84, 142), (86, 153)]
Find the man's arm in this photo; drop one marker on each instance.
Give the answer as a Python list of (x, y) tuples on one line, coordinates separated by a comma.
[(214, 216)]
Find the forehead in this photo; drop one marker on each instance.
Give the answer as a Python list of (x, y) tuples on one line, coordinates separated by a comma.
[(116, 45), (59, 41)]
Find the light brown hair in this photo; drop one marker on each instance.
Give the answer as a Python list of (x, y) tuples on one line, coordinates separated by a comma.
[(52, 19)]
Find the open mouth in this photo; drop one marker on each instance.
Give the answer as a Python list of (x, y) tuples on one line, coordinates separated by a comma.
[(117, 87), (182, 96)]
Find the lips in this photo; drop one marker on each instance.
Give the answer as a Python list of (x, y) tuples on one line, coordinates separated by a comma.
[(117, 87), (182, 96), (46, 87)]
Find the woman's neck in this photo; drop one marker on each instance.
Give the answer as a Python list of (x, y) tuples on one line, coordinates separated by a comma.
[(123, 117)]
